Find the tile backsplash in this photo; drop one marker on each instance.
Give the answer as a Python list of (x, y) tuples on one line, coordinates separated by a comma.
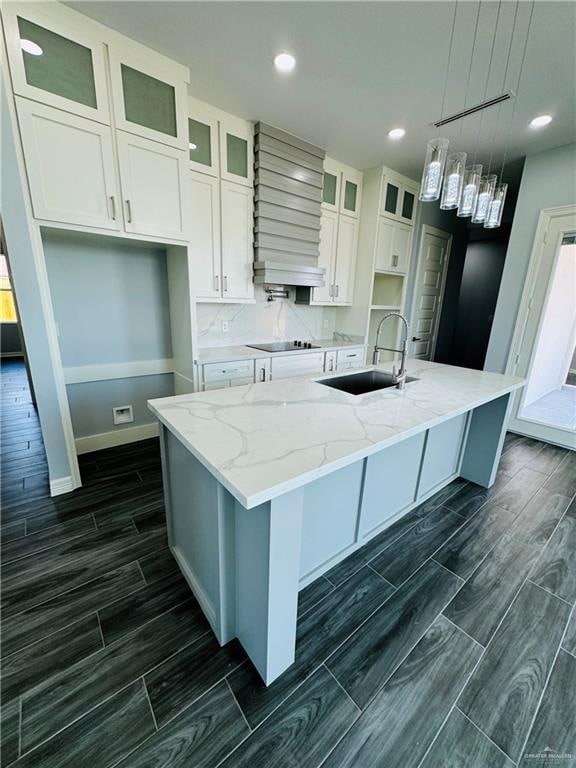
[(264, 321)]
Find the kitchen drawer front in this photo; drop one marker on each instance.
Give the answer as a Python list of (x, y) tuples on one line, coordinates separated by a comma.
[(241, 369), (349, 358), (225, 383), (297, 365)]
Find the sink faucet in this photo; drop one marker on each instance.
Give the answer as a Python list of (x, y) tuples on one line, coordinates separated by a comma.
[(400, 376)]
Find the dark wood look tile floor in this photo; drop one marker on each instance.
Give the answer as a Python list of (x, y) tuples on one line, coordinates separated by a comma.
[(449, 640)]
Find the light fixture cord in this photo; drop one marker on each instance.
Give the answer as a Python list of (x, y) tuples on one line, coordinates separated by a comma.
[(487, 79), (507, 143), (448, 63), (470, 66), (503, 86)]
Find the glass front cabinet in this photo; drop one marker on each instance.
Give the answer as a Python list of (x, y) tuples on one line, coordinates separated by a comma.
[(55, 64), (399, 199)]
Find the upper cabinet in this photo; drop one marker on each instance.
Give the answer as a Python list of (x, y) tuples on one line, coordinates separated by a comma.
[(331, 186), (342, 188), (56, 62), (203, 139), (399, 198), (124, 170), (237, 151), (351, 190), (149, 99)]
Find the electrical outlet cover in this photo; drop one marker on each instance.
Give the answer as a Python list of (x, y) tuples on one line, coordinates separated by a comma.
[(122, 414), (224, 326)]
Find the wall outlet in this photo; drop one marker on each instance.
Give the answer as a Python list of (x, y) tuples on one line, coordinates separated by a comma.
[(224, 326), (122, 414)]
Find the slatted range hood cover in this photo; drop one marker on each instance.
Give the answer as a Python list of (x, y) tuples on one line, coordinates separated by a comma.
[(287, 199)]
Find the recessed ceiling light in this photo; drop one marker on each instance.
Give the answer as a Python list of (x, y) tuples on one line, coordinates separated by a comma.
[(541, 121), (192, 146), (29, 47), (397, 133), (284, 62)]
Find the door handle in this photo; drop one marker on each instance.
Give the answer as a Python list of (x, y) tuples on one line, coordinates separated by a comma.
[(128, 212), (113, 204), (416, 338)]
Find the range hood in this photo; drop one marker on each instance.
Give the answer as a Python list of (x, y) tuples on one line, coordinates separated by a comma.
[(287, 199)]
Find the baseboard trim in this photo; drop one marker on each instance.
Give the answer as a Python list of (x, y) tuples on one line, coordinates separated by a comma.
[(119, 437), (62, 485)]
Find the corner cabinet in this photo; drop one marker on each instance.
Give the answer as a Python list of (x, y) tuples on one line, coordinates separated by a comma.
[(221, 204), (339, 228)]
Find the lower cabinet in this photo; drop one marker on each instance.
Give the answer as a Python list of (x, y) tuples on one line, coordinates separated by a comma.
[(222, 375), (442, 454), (349, 358), (306, 364)]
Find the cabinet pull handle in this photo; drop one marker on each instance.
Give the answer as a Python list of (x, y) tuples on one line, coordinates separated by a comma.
[(216, 283), (416, 338), (225, 282), (336, 294), (331, 291), (331, 365), (262, 374), (395, 260), (113, 204), (129, 211)]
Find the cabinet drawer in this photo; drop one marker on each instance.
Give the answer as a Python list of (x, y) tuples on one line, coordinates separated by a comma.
[(220, 372), (297, 365), (349, 358)]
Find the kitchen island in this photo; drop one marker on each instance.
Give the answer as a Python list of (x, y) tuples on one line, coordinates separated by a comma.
[(268, 486)]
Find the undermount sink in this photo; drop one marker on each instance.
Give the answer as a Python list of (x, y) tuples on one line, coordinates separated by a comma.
[(360, 383)]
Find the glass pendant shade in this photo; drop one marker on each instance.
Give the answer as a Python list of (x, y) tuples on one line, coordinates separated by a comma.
[(494, 216), (485, 194), (470, 189), (453, 180), (434, 164)]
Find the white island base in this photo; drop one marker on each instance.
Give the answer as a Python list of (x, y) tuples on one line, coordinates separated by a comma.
[(246, 562)]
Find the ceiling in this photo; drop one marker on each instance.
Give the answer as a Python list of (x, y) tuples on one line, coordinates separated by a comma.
[(366, 67)]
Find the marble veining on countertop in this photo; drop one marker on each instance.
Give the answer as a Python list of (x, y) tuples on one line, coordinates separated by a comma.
[(262, 440), (242, 352)]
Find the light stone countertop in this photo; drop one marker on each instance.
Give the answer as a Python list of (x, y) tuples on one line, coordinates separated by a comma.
[(225, 354), (263, 440)]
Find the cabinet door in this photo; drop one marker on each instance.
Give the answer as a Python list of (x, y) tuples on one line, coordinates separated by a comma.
[(384, 244), (237, 241), (408, 209), (70, 167), (350, 196), (153, 179), (205, 235), (401, 247), (57, 65), (346, 253), (391, 196), (203, 145), (328, 241), (149, 101), (331, 186), (237, 151), (305, 364)]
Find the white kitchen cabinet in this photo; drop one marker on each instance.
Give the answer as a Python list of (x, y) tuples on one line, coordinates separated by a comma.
[(349, 358), (327, 258), (232, 374), (70, 72), (330, 361), (70, 167), (149, 97), (398, 199), (236, 151), (393, 246), (205, 235), (304, 364), (237, 225), (351, 191), (331, 185), (154, 187), (345, 266), (262, 369), (203, 140)]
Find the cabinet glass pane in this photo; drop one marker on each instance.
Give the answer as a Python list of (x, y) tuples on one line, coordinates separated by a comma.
[(350, 191), (329, 190), (237, 154), (62, 67), (391, 198), (148, 101), (199, 138), (408, 205)]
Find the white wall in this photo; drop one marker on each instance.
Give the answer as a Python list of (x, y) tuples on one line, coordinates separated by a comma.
[(263, 321), (549, 180), (556, 339)]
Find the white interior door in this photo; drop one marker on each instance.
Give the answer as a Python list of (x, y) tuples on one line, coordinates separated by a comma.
[(545, 334), (433, 260)]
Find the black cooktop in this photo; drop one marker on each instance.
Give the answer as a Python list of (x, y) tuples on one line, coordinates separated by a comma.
[(284, 346)]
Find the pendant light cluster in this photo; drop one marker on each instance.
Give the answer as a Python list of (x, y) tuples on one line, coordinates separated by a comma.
[(446, 176)]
